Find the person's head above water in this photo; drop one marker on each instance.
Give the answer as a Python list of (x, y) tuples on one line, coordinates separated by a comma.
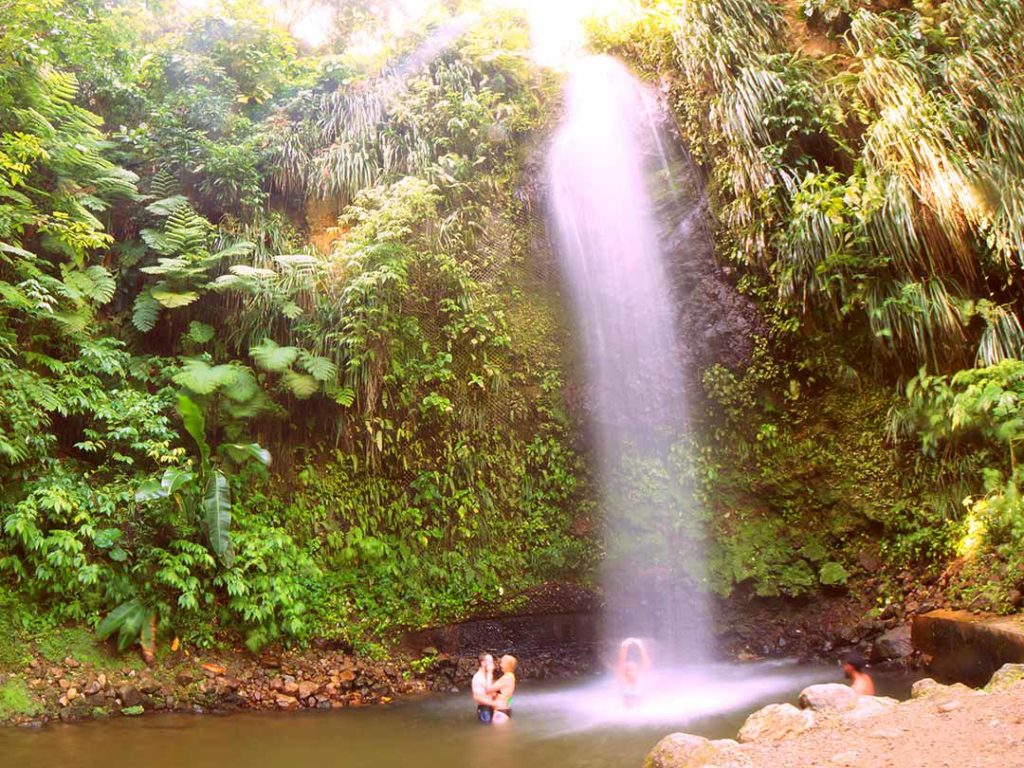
[(508, 663), (853, 662), (486, 660)]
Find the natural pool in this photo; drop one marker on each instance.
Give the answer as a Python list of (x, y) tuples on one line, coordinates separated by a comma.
[(563, 725)]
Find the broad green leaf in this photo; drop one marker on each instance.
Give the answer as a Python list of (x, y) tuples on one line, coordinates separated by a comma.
[(272, 357), (175, 479), (300, 384), (244, 270), (195, 425), (320, 368), (239, 452), (343, 396), (174, 299), (105, 538), (167, 206), (149, 490), (244, 387), (217, 514), (145, 312), (128, 620), (203, 378), (200, 333)]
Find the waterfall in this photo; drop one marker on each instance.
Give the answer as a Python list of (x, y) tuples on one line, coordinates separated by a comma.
[(606, 168)]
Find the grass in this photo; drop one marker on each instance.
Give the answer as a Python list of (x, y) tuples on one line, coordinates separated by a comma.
[(15, 699), (82, 645)]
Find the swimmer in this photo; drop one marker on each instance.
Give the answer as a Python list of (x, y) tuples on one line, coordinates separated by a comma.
[(860, 681), (481, 680), (502, 690), (628, 670)]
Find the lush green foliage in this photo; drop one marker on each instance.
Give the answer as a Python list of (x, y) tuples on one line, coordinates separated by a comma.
[(867, 189), (877, 191), (159, 296)]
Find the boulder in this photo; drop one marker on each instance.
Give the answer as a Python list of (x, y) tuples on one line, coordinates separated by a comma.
[(894, 644), (681, 750), (1005, 677), (130, 696), (828, 697), (307, 688), (869, 706), (775, 723), (929, 689)]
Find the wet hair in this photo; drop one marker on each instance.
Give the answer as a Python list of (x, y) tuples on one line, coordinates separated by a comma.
[(512, 660), (855, 660), (483, 656)]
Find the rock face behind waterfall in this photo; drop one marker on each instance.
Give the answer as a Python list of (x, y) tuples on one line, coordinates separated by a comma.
[(720, 322)]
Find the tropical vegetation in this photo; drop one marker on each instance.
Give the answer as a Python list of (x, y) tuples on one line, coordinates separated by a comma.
[(282, 353)]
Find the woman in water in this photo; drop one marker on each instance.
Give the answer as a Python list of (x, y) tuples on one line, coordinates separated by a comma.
[(502, 690), (628, 670)]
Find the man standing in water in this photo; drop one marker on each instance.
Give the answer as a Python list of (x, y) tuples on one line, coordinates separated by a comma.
[(482, 680), (502, 689), (860, 681)]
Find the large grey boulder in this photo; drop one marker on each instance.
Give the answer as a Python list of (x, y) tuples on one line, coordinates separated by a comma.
[(894, 644), (1005, 677), (869, 706), (828, 697), (681, 750), (775, 723)]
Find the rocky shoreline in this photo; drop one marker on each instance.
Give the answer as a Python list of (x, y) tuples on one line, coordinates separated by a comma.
[(315, 679), (832, 726)]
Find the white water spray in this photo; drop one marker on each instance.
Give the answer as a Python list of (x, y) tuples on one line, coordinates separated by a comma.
[(605, 158)]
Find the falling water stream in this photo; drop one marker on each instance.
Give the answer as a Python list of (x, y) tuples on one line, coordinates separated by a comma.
[(606, 166)]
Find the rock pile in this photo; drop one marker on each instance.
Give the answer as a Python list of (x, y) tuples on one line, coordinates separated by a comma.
[(825, 714)]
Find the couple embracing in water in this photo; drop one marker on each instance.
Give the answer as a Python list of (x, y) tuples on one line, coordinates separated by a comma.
[(494, 697)]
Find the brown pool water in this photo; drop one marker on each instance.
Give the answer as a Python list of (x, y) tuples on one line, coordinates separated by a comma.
[(564, 725)]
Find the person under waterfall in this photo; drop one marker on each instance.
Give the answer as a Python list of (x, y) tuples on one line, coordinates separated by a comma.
[(482, 680), (502, 690), (629, 668)]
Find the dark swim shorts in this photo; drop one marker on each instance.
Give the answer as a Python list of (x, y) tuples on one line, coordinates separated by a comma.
[(484, 713)]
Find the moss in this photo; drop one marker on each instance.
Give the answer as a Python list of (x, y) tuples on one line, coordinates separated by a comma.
[(81, 645), (15, 699)]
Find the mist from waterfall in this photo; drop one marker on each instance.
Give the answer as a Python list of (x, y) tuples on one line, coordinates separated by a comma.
[(606, 168)]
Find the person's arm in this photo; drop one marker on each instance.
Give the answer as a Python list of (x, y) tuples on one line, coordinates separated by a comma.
[(498, 686), (645, 657)]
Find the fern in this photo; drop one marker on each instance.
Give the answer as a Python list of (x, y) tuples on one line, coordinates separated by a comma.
[(272, 357)]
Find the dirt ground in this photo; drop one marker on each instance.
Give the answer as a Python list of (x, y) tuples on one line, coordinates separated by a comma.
[(966, 730)]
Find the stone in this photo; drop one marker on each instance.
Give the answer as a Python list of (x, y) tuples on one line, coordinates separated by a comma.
[(70, 663), (924, 687), (681, 750), (830, 696), (929, 689), (289, 687), (950, 706), (869, 706), (775, 723), (285, 702), (1005, 677), (92, 688), (724, 744), (894, 644), (64, 684), (71, 693), (130, 696), (307, 688)]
